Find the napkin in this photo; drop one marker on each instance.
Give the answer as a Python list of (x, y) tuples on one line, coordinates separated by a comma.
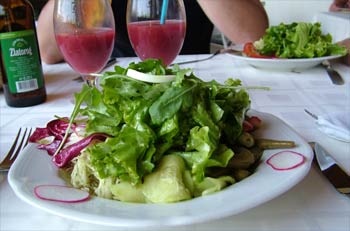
[(335, 125)]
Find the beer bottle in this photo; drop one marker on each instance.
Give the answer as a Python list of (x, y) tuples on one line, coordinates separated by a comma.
[(21, 69)]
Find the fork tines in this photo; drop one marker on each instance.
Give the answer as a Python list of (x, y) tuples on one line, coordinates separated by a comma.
[(19, 143)]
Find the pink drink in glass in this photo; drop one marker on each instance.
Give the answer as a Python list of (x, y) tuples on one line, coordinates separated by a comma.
[(87, 51), (150, 39)]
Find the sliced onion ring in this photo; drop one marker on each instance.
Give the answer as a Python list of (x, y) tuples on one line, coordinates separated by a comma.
[(149, 77)]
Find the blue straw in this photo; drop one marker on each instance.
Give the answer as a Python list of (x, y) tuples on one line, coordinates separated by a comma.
[(164, 11)]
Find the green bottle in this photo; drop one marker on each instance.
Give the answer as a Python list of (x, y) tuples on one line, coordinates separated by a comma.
[(21, 69)]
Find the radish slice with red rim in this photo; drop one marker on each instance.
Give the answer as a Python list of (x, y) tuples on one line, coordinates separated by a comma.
[(60, 193), (286, 160)]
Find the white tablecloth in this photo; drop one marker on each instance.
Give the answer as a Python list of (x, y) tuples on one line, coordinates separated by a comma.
[(313, 204)]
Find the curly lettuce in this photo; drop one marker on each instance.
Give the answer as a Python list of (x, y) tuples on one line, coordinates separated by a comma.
[(147, 123), (297, 40)]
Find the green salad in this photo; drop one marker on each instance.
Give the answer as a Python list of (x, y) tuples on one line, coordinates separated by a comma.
[(163, 138), (139, 141), (297, 40)]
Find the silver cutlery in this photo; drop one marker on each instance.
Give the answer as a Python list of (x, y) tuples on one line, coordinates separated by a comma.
[(198, 60), (337, 127), (333, 74), (233, 49), (20, 142)]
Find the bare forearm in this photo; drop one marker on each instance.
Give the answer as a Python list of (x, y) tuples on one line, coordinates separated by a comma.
[(338, 5), (241, 21), (48, 48), (346, 44)]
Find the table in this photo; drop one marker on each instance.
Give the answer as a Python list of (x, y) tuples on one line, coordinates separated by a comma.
[(313, 204)]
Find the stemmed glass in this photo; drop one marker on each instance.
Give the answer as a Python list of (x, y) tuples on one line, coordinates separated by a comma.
[(84, 31), (156, 28)]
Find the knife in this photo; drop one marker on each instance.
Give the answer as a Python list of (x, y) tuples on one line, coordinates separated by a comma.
[(333, 74), (329, 167)]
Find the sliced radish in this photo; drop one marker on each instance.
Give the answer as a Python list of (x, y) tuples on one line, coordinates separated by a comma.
[(60, 193), (286, 160), (149, 77)]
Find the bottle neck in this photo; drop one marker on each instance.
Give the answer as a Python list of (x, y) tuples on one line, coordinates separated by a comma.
[(17, 15)]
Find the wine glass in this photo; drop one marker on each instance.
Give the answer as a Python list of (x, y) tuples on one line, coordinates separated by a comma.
[(84, 32), (156, 28)]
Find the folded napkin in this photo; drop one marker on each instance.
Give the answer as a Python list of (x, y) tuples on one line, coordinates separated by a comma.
[(335, 125)]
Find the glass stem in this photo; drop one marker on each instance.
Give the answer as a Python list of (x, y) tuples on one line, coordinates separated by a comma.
[(90, 80)]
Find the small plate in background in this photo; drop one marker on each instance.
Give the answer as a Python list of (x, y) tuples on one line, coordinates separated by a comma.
[(282, 64)]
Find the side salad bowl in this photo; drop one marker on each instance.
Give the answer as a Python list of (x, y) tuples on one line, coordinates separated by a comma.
[(292, 65), (291, 47)]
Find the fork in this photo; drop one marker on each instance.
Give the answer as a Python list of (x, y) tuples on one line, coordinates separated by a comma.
[(234, 49), (20, 142)]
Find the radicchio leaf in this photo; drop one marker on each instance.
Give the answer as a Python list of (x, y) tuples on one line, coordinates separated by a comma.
[(39, 134), (50, 148), (72, 151), (58, 127)]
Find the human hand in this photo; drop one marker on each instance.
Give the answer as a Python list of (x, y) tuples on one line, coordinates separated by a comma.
[(339, 5), (345, 59)]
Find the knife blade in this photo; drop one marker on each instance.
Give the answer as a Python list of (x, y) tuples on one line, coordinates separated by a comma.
[(331, 170), (333, 74)]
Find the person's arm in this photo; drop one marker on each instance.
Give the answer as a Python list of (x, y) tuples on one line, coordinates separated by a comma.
[(47, 44), (345, 43), (240, 21), (338, 5)]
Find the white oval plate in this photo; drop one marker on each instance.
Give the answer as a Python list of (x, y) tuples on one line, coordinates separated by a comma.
[(282, 64), (34, 167)]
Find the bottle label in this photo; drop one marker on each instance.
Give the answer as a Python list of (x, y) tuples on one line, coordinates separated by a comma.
[(20, 56)]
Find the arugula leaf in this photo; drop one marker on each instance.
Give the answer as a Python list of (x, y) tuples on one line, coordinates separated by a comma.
[(168, 104), (79, 99)]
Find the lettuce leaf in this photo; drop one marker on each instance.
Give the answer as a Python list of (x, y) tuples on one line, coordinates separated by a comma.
[(126, 156), (297, 40), (199, 121)]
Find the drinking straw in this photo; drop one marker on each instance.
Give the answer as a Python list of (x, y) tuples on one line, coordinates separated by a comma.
[(164, 11)]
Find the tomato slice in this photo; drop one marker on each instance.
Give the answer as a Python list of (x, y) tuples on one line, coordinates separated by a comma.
[(250, 51)]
